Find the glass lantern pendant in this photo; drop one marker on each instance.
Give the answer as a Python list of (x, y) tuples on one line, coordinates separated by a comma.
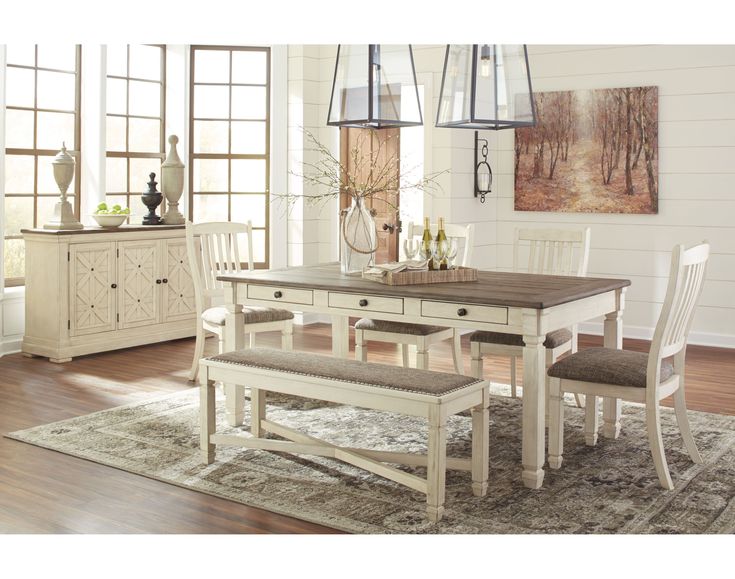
[(486, 86), (374, 87)]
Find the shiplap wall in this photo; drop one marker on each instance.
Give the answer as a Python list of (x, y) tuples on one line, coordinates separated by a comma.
[(696, 174)]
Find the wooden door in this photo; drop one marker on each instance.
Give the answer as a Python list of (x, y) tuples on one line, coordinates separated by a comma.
[(92, 277), (178, 287), (140, 283), (375, 150)]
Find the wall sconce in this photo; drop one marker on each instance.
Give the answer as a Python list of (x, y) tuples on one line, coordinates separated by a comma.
[(483, 172)]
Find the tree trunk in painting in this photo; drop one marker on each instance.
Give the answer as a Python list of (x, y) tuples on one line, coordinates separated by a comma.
[(628, 144)]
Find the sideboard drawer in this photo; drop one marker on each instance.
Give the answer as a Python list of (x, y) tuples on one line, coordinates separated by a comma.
[(289, 295), (469, 312), (366, 302)]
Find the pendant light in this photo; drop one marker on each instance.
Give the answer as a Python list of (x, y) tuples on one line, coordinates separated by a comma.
[(374, 87), (486, 86)]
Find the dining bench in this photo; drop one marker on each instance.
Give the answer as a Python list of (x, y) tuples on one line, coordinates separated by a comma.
[(422, 393)]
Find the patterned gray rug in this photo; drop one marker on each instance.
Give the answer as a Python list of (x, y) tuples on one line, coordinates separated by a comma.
[(611, 488)]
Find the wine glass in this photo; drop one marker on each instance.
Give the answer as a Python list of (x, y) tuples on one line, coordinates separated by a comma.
[(452, 250), (410, 248), (438, 252)]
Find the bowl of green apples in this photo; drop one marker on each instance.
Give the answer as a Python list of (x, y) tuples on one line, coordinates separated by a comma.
[(110, 216)]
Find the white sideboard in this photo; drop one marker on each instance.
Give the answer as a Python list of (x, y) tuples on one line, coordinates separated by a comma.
[(95, 289)]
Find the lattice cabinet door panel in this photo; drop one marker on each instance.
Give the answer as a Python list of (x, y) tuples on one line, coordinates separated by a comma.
[(178, 287), (92, 276), (140, 283)]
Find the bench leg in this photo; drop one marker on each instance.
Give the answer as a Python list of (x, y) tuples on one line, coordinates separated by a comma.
[(437, 464), (480, 445), (207, 417), (257, 411), (234, 404), (422, 354), (360, 346), (476, 360)]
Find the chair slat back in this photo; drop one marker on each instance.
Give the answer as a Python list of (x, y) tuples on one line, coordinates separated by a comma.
[(466, 232), (553, 251), (685, 286), (213, 250)]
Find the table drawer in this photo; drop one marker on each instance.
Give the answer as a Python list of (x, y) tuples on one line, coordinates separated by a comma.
[(366, 302), (469, 312), (273, 293)]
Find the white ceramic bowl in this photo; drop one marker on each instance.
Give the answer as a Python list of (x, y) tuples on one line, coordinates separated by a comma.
[(109, 219)]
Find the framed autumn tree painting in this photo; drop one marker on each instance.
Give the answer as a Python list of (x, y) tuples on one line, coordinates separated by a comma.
[(592, 151)]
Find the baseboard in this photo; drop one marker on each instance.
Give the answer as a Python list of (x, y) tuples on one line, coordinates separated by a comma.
[(643, 333), (10, 345), (307, 318)]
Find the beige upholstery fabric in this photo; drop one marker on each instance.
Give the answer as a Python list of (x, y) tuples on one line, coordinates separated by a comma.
[(553, 339), (370, 374), (608, 366), (397, 327), (253, 315)]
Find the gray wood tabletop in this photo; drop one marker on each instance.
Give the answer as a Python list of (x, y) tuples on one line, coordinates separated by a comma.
[(492, 287)]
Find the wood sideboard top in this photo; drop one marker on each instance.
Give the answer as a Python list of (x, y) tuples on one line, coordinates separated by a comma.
[(89, 229), (492, 287)]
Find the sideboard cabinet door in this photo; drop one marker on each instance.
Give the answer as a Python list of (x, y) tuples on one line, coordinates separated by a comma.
[(139, 283), (178, 288), (92, 301)]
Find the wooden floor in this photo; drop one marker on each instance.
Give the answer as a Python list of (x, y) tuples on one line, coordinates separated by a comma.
[(42, 491)]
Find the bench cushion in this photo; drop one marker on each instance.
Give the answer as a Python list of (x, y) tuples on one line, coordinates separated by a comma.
[(397, 327), (341, 369), (253, 315), (608, 366), (553, 339)]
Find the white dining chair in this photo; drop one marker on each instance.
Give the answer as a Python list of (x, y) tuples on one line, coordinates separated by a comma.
[(635, 376), (219, 248), (422, 336), (550, 252)]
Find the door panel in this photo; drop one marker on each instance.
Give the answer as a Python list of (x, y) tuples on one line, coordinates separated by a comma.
[(375, 150), (178, 288), (92, 300), (139, 292)]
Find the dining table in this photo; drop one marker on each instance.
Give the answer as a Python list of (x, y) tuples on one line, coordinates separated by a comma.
[(524, 304)]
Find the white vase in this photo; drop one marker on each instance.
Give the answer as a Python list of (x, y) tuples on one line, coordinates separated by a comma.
[(172, 183), (358, 238)]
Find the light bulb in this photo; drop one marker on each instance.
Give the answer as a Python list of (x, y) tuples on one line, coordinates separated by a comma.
[(485, 68)]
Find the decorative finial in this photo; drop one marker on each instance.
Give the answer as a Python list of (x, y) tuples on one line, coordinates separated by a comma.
[(173, 140)]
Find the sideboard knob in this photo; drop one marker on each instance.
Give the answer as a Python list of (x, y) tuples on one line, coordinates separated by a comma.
[(114, 286), (461, 312), (363, 302), (164, 280), (158, 281), (278, 294)]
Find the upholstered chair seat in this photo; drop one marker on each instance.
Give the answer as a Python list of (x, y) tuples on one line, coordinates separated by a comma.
[(397, 327), (553, 339), (251, 314)]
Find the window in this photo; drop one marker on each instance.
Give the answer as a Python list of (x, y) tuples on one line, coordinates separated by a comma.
[(42, 112), (136, 91), (229, 160)]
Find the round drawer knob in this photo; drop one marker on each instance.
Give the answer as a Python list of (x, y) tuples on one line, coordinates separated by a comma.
[(158, 281), (461, 312), (363, 302), (278, 294), (114, 286), (164, 280)]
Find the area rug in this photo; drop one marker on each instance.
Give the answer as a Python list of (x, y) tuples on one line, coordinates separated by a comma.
[(611, 488)]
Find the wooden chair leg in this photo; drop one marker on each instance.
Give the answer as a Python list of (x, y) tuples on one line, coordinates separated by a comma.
[(475, 360), (436, 465), (513, 383), (404, 355), (422, 354), (360, 346), (457, 352), (579, 399), (198, 353), (591, 420), (611, 417), (653, 425), (287, 336), (207, 418), (252, 339), (682, 420), (556, 423), (257, 411), (480, 445)]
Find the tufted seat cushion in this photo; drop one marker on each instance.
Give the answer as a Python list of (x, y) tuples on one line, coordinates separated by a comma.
[(253, 315), (345, 370), (553, 339), (608, 366), (397, 327)]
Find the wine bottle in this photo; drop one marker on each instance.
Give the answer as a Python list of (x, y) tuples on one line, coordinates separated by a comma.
[(441, 242), (426, 242)]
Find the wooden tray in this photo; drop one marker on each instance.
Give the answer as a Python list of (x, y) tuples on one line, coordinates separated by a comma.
[(458, 274)]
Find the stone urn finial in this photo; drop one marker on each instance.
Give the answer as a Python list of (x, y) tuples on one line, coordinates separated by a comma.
[(172, 183)]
